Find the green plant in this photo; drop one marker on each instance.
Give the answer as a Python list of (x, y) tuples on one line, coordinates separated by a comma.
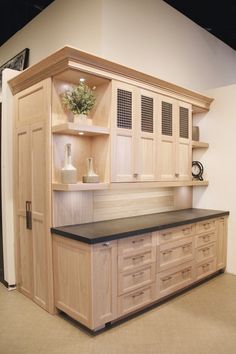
[(79, 100)]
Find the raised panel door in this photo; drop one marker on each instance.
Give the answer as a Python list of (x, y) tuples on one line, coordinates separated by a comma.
[(123, 127), (22, 194)]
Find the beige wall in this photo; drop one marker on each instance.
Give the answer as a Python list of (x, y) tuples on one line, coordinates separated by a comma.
[(218, 128), (150, 36)]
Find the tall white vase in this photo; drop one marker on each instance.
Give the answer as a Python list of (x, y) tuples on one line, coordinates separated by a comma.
[(68, 172), (91, 176)]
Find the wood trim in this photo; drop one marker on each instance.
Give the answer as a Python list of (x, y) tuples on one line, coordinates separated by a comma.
[(64, 58)]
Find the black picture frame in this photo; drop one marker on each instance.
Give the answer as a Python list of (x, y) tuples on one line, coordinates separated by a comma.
[(19, 62)]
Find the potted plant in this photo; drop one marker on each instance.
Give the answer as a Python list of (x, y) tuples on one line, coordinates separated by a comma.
[(79, 100)]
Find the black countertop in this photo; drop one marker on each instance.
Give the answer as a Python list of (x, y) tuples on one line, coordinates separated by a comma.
[(101, 231)]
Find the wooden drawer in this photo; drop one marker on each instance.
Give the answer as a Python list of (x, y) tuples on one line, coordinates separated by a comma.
[(130, 281), (206, 226), (175, 279), (176, 233), (136, 299), (205, 238), (205, 252), (133, 261), (131, 245), (175, 253), (206, 268)]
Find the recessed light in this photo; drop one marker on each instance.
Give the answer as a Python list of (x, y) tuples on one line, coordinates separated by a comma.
[(82, 79), (81, 133)]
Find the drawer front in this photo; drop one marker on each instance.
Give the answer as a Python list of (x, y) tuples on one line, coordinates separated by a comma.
[(205, 252), (206, 268), (133, 261), (176, 233), (175, 279), (206, 238), (136, 299), (175, 253), (206, 226), (130, 281), (131, 245)]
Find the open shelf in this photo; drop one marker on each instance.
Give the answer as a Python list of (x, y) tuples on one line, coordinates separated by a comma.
[(77, 129), (199, 145), (79, 187), (200, 183)]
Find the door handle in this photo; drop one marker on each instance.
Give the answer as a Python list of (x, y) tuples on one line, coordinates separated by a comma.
[(28, 215)]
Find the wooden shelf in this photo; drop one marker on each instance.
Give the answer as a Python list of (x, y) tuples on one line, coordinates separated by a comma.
[(200, 183), (199, 145), (79, 187), (76, 129)]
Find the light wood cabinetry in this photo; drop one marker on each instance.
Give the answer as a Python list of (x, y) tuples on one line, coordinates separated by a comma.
[(175, 151), (32, 193), (101, 283), (85, 280), (134, 119)]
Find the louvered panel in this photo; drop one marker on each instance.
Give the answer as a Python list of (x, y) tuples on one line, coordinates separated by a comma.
[(147, 114), (183, 123), (167, 118), (124, 109)]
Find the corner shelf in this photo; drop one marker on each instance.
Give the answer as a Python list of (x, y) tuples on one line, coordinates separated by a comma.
[(79, 187), (76, 129), (199, 145)]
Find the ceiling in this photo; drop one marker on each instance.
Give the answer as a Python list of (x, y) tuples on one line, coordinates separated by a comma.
[(217, 17), (15, 14)]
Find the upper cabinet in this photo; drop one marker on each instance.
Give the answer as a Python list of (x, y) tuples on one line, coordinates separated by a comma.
[(134, 137), (139, 129), (174, 149)]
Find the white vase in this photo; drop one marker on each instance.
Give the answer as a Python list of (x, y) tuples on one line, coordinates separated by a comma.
[(68, 172), (91, 176), (82, 119)]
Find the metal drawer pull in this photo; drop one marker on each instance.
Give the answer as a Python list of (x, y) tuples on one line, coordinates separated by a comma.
[(106, 244), (136, 241), (137, 274), (207, 225), (205, 267), (206, 238), (139, 294), (167, 235), (137, 258), (187, 231), (167, 279), (167, 252), (186, 247), (185, 272), (28, 211), (206, 250)]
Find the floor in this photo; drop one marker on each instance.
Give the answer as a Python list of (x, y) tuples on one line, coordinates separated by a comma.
[(200, 321)]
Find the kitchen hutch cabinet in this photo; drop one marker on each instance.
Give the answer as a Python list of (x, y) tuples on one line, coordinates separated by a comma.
[(139, 131)]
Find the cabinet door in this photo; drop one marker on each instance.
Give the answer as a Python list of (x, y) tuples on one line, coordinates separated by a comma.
[(22, 191), (183, 139), (166, 153), (104, 291), (145, 147), (221, 243), (123, 113), (38, 197)]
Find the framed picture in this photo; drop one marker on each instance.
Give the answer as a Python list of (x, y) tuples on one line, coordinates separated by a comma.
[(18, 62)]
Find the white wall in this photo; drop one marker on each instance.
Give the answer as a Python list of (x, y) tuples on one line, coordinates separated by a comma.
[(147, 35), (150, 36), (219, 129)]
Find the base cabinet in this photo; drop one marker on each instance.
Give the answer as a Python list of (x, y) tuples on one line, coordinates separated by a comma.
[(96, 284)]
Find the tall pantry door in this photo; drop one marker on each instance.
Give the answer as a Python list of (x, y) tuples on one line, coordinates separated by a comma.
[(33, 194)]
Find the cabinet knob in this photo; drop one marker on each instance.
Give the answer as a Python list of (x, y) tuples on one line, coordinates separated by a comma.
[(176, 174), (135, 175), (106, 244)]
